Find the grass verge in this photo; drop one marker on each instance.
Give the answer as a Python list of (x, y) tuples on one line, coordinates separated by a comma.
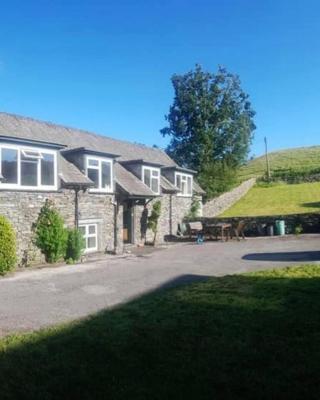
[(251, 336), (277, 199)]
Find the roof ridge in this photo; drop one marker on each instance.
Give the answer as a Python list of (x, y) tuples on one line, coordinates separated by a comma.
[(70, 128)]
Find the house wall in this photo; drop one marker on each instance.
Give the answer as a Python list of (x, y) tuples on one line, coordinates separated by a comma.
[(135, 168), (173, 210), (22, 209)]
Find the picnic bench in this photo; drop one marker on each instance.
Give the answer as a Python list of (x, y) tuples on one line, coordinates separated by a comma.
[(221, 229), (224, 230)]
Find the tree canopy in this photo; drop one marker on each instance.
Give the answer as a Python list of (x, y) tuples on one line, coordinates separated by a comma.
[(210, 122)]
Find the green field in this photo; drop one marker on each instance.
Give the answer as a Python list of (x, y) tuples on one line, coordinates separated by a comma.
[(299, 158), (277, 199), (251, 336)]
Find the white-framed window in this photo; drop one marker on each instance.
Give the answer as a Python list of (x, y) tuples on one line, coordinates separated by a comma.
[(90, 235), (151, 178), (100, 171), (28, 168), (184, 182)]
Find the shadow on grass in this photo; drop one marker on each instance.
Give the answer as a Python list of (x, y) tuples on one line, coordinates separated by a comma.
[(315, 204), (235, 337), (294, 256)]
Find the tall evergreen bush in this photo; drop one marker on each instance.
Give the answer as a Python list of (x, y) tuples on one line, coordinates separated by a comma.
[(50, 233)]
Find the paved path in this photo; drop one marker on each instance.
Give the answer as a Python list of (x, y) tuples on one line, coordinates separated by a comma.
[(37, 298)]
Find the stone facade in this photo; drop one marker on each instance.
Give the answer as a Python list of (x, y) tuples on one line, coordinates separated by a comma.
[(22, 210), (221, 203), (173, 210)]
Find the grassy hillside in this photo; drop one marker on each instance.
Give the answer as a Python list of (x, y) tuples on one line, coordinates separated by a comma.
[(278, 199), (299, 158)]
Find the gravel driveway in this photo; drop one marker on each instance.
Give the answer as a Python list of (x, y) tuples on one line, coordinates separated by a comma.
[(38, 298)]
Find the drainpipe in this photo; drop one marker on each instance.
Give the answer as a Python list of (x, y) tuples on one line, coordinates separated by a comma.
[(170, 215), (76, 208), (115, 225)]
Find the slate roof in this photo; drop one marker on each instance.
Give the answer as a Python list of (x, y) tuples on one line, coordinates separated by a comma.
[(29, 128), (197, 188), (130, 184), (15, 126), (167, 186), (70, 174)]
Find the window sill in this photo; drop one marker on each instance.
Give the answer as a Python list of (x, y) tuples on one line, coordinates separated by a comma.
[(184, 195), (30, 190), (90, 251)]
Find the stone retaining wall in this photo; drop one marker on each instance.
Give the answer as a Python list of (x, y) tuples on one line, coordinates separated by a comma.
[(256, 226), (218, 205)]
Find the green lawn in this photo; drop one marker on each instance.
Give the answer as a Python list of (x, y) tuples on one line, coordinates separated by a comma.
[(299, 158), (280, 199), (252, 336)]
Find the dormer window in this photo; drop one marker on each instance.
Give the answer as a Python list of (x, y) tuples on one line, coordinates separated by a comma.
[(184, 183), (28, 168), (100, 171), (151, 178)]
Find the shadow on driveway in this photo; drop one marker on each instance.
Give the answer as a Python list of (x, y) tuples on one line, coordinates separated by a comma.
[(226, 338), (284, 256)]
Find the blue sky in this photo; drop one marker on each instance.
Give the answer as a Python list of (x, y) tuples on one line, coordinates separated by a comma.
[(105, 66)]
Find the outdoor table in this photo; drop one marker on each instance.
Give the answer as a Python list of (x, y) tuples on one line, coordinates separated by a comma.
[(221, 227)]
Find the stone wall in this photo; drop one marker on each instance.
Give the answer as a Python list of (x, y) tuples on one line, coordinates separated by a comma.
[(218, 205), (257, 226), (22, 209), (173, 211)]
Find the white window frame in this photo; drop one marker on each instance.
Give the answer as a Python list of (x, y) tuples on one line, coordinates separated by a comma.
[(184, 178), (88, 235), (108, 189), (151, 169), (24, 151)]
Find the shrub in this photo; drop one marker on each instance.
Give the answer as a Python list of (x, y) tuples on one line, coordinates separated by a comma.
[(217, 178), (298, 229), (8, 257), (75, 246), (154, 218), (50, 234), (194, 209)]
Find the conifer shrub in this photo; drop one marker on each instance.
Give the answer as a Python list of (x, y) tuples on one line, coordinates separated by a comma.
[(154, 218), (75, 246), (50, 234), (8, 257)]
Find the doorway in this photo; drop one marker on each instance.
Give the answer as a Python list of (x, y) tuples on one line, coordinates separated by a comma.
[(128, 222)]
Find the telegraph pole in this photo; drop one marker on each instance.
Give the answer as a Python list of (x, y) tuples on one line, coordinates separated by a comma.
[(267, 158)]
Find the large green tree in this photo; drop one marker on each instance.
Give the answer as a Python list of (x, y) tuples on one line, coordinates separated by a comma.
[(210, 124)]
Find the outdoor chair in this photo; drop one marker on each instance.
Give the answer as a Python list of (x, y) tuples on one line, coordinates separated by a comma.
[(238, 230), (195, 228), (182, 229)]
